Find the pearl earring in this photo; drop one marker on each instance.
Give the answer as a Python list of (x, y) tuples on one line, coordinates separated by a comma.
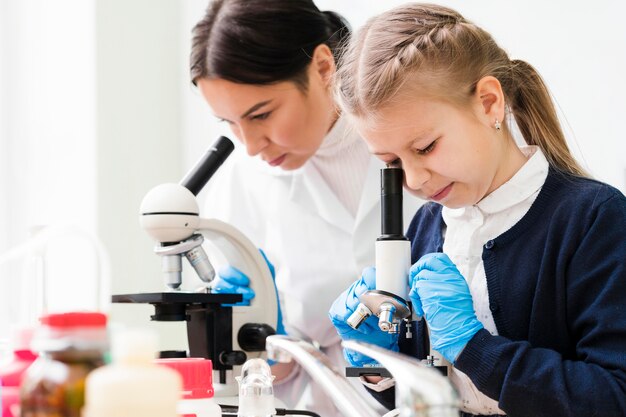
[(497, 125)]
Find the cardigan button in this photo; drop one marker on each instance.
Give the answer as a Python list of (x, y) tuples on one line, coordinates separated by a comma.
[(489, 244), (494, 307)]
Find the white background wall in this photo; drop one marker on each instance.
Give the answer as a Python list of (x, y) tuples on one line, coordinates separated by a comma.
[(47, 145), (89, 122)]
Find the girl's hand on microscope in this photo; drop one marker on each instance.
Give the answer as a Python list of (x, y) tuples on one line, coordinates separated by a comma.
[(368, 332), (440, 294)]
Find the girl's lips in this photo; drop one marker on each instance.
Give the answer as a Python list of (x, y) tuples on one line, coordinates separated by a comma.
[(441, 194), (276, 162)]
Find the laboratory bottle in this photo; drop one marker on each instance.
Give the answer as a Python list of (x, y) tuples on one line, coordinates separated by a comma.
[(70, 346), (12, 373), (132, 385), (256, 393), (197, 396)]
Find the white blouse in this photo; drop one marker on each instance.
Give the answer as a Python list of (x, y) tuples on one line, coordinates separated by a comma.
[(467, 231)]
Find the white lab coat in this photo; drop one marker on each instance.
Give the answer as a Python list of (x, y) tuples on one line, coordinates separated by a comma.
[(317, 246)]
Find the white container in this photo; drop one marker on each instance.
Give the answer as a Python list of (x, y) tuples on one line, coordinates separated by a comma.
[(197, 375), (133, 385), (201, 407)]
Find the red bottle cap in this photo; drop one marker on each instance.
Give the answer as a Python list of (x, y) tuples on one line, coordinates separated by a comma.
[(197, 374), (74, 319)]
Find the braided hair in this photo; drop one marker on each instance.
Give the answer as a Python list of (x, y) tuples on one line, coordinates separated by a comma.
[(432, 50)]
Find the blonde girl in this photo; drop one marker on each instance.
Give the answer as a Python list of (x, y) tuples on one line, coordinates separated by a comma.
[(519, 258)]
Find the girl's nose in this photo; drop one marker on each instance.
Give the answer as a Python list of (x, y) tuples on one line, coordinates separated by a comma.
[(415, 177)]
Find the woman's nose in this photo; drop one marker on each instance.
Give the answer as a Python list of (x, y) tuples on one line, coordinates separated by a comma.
[(254, 141)]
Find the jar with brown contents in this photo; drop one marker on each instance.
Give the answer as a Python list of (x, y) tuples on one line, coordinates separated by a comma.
[(70, 345)]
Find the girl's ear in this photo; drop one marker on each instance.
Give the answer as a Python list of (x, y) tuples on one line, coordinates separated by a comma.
[(323, 63), (489, 100)]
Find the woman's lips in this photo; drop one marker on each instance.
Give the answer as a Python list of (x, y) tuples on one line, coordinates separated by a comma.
[(276, 162), (441, 194)]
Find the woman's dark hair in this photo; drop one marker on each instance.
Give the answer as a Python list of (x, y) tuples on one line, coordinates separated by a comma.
[(262, 41)]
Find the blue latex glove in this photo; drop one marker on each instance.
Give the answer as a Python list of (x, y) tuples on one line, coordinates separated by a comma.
[(368, 332), (440, 293), (231, 280)]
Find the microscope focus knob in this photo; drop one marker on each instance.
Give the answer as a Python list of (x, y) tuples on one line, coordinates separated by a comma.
[(233, 358), (251, 336)]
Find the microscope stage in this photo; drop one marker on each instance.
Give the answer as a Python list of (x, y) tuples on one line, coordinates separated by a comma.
[(177, 298)]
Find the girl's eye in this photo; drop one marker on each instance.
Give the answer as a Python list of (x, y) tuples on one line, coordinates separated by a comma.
[(396, 163), (427, 149), (261, 116)]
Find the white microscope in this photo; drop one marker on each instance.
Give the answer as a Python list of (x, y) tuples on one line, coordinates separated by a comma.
[(390, 300), (393, 260), (215, 330)]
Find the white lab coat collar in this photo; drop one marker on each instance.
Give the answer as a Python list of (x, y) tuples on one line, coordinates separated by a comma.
[(309, 190), (339, 137), (369, 198)]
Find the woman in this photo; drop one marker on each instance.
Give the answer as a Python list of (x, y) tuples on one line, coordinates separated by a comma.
[(310, 195)]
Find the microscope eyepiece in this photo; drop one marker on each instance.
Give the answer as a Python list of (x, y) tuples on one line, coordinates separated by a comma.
[(391, 183), (204, 169)]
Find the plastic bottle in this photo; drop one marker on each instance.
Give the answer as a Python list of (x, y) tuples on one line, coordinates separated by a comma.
[(132, 386), (70, 346), (197, 375), (12, 373)]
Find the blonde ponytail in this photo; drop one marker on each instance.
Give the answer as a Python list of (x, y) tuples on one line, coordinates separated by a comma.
[(536, 117)]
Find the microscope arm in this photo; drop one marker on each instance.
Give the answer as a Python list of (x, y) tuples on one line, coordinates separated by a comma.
[(235, 249)]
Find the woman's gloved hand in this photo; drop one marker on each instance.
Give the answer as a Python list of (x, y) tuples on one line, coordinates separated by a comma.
[(440, 293), (368, 332), (231, 280)]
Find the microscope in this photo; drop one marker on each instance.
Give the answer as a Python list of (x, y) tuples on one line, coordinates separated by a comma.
[(216, 330), (393, 261)]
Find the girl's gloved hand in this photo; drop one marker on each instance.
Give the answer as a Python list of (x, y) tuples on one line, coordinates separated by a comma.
[(231, 280), (368, 332), (440, 293)]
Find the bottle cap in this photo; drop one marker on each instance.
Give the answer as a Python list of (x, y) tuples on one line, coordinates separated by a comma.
[(74, 319), (72, 330), (197, 374)]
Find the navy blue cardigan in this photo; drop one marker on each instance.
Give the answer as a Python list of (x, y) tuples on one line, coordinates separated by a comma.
[(557, 291)]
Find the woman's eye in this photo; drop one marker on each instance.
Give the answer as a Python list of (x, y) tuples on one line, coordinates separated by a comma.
[(224, 121), (396, 163), (261, 116), (427, 149)]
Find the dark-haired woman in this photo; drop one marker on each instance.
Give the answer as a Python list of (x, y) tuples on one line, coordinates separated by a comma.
[(308, 190)]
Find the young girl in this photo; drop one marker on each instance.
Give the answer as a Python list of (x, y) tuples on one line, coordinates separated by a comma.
[(520, 258), (310, 197)]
